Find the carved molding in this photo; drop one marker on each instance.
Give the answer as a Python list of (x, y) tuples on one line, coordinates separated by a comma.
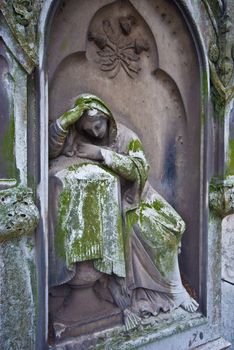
[(221, 196), (221, 53), (118, 48), (22, 18), (18, 214)]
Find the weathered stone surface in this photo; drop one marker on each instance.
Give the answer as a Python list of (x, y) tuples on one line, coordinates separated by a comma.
[(228, 312), (154, 330), (228, 249), (208, 21), (22, 19), (218, 344), (18, 290), (221, 196), (18, 214)]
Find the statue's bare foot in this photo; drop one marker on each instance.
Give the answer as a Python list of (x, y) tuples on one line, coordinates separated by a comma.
[(190, 304)]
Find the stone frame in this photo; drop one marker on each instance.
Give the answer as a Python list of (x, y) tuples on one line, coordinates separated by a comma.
[(194, 334), (51, 7)]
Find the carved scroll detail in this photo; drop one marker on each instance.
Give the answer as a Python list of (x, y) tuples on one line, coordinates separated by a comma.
[(221, 196), (221, 54), (23, 11), (118, 48), (22, 18)]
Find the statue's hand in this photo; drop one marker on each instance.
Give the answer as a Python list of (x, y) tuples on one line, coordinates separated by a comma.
[(86, 150), (72, 115)]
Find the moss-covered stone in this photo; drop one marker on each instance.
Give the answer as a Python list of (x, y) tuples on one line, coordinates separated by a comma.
[(221, 196), (18, 307), (230, 168), (89, 223), (7, 151), (18, 213)]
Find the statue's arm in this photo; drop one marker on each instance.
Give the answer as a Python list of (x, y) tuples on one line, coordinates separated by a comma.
[(120, 164), (132, 165), (59, 129), (57, 137)]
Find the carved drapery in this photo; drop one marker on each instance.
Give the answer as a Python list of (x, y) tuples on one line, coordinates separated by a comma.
[(22, 26)]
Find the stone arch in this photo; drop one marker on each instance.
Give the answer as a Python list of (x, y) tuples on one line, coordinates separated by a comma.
[(46, 21)]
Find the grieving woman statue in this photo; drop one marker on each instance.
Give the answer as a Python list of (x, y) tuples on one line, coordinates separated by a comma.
[(105, 215)]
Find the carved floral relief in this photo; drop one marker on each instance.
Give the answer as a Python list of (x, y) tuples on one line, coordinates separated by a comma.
[(118, 48)]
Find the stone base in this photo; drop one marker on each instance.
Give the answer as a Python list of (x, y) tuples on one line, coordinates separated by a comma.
[(103, 321), (82, 313), (147, 336)]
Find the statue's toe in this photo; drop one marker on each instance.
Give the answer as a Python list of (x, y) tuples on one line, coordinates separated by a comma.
[(190, 305)]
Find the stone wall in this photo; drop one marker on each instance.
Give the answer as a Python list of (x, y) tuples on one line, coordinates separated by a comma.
[(24, 31)]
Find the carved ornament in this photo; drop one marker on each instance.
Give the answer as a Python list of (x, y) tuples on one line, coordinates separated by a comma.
[(22, 17), (221, 196), (118, 48), (18, 214), (221, 52)]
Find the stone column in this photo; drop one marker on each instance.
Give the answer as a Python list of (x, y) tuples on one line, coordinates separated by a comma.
[(18, 298)]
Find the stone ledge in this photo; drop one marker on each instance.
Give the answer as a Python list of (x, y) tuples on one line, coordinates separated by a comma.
[(162, 326), (218, 344)]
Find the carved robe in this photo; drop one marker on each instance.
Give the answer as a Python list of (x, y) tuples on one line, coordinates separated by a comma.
[(148, 228)]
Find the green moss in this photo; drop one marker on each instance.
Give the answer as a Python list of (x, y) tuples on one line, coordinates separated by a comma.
[(135, 146), (8, 145), (91, 232), (64, 200), (205, 84), (33, 280), (93, 102), (230, 169), (158, 205), (131, 219), (219, 106), (159, 238), (89, 224)]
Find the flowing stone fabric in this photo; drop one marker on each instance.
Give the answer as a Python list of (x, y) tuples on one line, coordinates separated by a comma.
[(152, 229), (89, 223)]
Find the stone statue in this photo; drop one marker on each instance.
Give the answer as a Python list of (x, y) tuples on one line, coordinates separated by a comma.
[(108, 226)]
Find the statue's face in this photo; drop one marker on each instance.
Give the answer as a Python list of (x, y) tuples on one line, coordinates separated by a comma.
[(96, 126)]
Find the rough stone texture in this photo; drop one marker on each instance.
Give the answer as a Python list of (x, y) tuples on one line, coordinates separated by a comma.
[(18, 290), (17, 210), (22, 18), (218, 344), (205, 19), (157, 97), (228, 250), (221, 195), (228, 312), (154, 330), (228, 279)]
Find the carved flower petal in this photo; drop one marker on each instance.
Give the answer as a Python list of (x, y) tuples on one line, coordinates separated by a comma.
[(107, 27), (127, 70), (134, 66), (116, 70), (107, 60), (106, 52), (109, 67), (130, 54), (126, 43)]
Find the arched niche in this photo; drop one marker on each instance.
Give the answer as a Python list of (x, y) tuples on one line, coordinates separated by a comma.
[(161, 101)]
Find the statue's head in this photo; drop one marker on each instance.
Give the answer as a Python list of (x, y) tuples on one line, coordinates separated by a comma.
[(97, 120), (94, 123)]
